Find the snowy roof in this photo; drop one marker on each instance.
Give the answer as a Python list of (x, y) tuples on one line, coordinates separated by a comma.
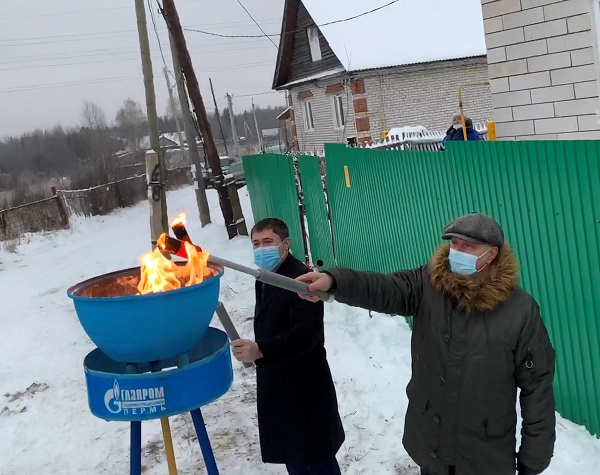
[(407, 32), (312, 77)]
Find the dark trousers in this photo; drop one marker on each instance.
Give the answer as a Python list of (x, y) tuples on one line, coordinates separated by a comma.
[(330, 467), (451, 471)]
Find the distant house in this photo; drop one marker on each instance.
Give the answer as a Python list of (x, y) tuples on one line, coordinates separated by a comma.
[(399, 66)]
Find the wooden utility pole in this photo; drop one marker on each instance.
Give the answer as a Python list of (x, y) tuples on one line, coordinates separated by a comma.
[(159, 175), (260, 143), (190, 136), (236, 145), (218, 116), (174, 24), (175, 114)]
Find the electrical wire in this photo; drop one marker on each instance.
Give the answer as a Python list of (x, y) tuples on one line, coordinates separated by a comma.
[(54, 39), (113, 52), (259, 27), (70, 84), (162, 54), (296, 31), (78, 63), (259, 94), (85, 11)]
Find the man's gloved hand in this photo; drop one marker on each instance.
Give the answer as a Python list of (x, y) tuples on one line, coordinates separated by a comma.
[(523, 470)]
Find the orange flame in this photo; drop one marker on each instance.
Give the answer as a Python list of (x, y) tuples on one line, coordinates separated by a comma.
[(159, 274), (179, 220)]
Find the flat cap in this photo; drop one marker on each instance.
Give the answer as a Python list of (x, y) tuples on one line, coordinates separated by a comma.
[(477, 228)]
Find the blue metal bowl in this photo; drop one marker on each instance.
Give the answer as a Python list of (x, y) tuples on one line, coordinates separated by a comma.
[(143, 328)]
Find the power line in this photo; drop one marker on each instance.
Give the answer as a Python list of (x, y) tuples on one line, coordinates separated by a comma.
[(224, 68), (85, 82), (295, 31), (259, 27), (25, 41), (70, 83), (85, 11), (259, 94), (162, 54), (113, 52)]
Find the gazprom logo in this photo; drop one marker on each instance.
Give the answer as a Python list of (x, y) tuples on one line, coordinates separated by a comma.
[(134, 401)]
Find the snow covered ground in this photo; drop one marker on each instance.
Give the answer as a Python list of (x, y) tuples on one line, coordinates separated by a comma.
[(45, 424)]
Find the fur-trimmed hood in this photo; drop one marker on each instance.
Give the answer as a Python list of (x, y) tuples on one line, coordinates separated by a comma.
[(475, 294)]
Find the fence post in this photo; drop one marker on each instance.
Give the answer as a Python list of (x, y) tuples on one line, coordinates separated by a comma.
[(154, 182), (64, 216)]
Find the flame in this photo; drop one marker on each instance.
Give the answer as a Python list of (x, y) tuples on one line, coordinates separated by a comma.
[(197, 265), (179, 220), (159, 274)]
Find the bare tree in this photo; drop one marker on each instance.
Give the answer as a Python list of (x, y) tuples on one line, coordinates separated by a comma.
[(93, 116), (94, 119), (131, 122)]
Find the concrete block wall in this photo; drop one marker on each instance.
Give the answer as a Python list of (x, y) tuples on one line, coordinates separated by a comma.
[(542, 65)]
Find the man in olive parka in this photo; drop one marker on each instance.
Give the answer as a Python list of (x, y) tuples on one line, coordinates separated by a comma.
[(478, 337)]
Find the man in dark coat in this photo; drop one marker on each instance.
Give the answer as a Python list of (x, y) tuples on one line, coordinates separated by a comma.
[(298, 420), (477, 338)]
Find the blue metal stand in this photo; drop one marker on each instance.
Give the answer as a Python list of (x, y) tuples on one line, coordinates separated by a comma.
[(135, 463), (207, 453), (147, 391)]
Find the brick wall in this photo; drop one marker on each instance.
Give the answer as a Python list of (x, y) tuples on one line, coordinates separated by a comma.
[(424, 95), (427, 95), (542, 69), (320, 95)]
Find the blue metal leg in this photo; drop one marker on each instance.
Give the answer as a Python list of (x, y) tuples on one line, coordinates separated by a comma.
[(207, 453), (135, 464)]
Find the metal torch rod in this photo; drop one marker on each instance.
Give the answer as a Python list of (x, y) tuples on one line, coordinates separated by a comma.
[(270, 278)]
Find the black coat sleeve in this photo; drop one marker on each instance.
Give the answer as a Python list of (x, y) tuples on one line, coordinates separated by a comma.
[(305, 332), (535, 361), (398, 293)]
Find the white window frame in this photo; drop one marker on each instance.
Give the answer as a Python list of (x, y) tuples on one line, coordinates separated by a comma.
[(339, 117), (314, 44), (308, 117)]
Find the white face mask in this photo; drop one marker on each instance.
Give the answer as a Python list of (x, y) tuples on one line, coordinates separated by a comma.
[(457, 126), (463, 263)]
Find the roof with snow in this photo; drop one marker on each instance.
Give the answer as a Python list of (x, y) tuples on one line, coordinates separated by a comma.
[(406, 32)]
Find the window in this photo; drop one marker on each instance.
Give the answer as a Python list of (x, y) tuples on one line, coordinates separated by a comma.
[(314, 43), (339, 119), (309, 124)]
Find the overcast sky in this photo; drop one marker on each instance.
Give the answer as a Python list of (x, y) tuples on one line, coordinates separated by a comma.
[(56, 54)]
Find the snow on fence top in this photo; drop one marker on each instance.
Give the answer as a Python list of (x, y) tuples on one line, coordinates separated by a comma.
[(415, 136), (406, 32)]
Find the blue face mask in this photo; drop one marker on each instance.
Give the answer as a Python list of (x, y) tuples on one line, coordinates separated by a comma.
[(463, 263), (267, 258)]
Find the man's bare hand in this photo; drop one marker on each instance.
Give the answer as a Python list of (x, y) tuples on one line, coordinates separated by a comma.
[(316, 281), (246, 351)]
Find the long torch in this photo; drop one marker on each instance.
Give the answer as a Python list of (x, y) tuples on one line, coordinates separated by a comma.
[(180, 231), (177, 247)]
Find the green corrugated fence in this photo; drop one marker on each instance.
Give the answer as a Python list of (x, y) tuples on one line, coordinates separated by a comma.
[(271, 182), (388, 209)]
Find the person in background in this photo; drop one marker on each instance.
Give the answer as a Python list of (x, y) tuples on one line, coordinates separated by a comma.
[(477, 338), (455, 132), (298, 420)]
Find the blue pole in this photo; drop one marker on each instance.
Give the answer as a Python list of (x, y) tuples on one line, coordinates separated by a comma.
[(207, 453), (135, 445)]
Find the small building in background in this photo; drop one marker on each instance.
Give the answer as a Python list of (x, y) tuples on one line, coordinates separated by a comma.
[(398, 66)]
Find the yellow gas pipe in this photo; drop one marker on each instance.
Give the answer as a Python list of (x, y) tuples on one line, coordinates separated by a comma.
[(460, 103), (169, 451)]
